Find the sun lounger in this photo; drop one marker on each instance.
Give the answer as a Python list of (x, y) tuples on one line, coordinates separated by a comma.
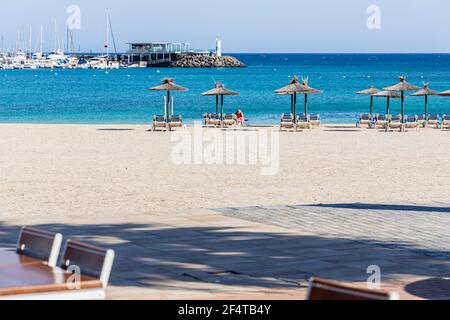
[(365, 119), (433, 121), (229, 120), (303, 123), (314, 119), (445, 121), (411, 122), (175, 122), (206, 118), (395, 122), (213, 120), (422, 120), (40, 245), (287, 122), (159, 123), (381, 121), (320, 289)]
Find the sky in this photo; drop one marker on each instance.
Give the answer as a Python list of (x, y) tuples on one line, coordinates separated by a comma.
[(245, 26)]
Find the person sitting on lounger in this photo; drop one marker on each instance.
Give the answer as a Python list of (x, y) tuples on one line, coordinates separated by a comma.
[(240, 118)]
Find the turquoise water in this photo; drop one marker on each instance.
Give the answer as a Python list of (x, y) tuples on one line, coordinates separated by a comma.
[(122, 96)]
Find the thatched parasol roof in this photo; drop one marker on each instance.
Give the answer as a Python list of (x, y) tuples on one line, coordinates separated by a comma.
[(308, 89), (220, 90), (402, 86), (387, 94), (371, 91), (425, 91), (293, 87), (445, 93), (169, 85)]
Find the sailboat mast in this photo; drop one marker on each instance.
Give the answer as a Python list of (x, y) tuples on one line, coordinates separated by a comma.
[(30, 41), (107, 33), (56, 38), (42, 40), (18, 41)]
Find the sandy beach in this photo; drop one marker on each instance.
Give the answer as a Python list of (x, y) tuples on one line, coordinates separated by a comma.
[(57, 171), (99, 175)]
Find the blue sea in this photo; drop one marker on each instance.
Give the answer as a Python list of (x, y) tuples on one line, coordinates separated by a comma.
[(122, 96)]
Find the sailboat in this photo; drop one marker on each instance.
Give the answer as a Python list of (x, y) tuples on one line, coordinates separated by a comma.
[(105, 61)]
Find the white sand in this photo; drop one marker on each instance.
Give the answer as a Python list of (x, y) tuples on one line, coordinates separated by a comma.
[(51, 173)]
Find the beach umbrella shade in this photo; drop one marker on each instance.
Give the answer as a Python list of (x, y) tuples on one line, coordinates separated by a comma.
[(371, 91), (168, 84), (220, 91), (425, 92), (308, 91), (292, 89), (402, 86), (444, 94), (389, 95)]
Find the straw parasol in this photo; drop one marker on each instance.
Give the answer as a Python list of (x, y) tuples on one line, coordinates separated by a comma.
[(220, 91), (308, 91), (389, 95), (425, 92), (371, 91), (292, 89), (444, 94), (168, 84), (402, 86)]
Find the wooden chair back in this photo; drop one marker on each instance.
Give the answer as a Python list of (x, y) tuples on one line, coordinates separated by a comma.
[(92, 261), (320, 289), (39, 244)]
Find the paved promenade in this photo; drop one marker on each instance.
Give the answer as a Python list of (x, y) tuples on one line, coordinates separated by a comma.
[(267, 252)]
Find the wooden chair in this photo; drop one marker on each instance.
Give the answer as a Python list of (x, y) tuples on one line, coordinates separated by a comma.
[(92, 261), (320, 289), (40, 245)]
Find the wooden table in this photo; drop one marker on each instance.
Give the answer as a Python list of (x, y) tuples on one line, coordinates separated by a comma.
[(22, 276), (11, 258)]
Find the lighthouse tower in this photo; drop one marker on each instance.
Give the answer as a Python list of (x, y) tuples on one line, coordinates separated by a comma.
[(218, 47)]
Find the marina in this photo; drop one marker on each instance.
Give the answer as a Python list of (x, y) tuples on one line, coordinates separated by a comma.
[(139, 54)]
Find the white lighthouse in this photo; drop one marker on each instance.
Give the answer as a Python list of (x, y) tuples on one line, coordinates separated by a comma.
[(218, 47)]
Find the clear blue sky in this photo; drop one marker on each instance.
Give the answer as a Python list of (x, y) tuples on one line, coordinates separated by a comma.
[(244, 25)]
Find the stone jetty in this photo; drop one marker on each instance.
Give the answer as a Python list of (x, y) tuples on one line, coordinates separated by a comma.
[(207, 62)]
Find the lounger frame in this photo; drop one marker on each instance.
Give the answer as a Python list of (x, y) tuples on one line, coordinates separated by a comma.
[(159, 123), (287, 122), (175, 122), (366, 120)]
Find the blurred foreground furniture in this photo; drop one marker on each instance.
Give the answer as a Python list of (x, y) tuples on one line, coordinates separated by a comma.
[(320, 289), (27, 274)]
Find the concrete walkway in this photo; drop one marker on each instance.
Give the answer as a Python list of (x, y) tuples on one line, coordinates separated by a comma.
[(267, 253)]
